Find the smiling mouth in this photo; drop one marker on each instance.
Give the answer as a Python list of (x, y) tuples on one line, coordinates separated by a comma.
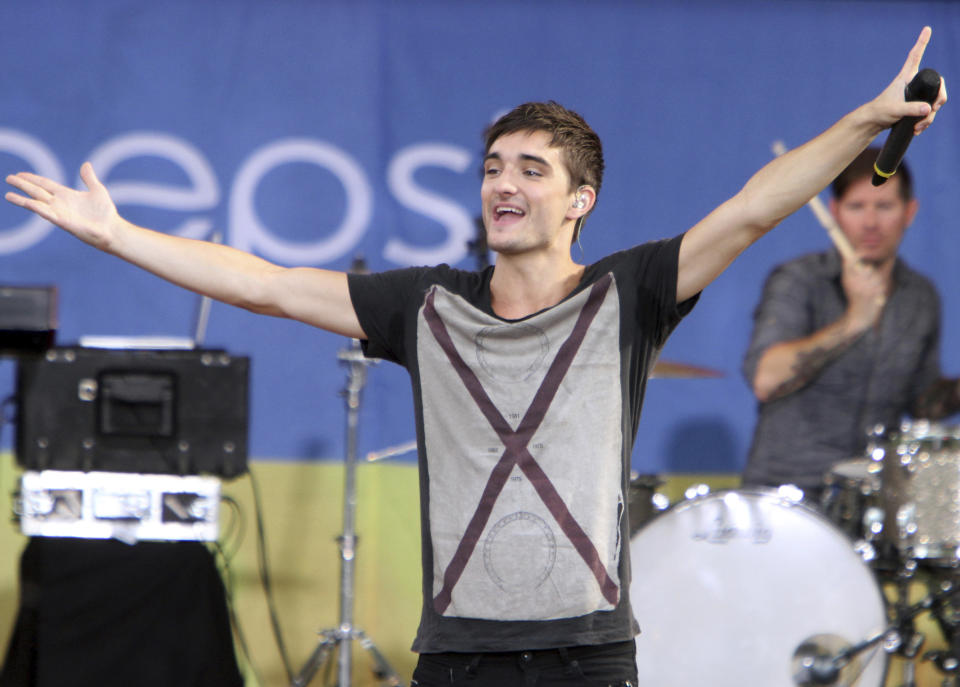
[(502, 211)]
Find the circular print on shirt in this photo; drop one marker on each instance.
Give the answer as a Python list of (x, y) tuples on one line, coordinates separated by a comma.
[(512, 352), (519, 552)]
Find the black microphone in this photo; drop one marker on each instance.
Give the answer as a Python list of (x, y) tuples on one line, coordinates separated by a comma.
[(924, 86)]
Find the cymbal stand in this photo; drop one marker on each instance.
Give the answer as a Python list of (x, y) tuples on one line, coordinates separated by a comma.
[(342, 636), (819, 666), (910, 640), (816, 665), (947, 616), (941, 593)]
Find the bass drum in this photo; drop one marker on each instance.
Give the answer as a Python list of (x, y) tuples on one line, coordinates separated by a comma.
[(726, 588)]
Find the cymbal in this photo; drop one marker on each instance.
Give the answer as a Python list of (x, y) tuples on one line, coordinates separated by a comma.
[(668, 369)]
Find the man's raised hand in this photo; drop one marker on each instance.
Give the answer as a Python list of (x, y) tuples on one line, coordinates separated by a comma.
[(89, 215), (890, 105)]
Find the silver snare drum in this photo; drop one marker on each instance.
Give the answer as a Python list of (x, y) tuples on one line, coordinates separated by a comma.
[(726, 587), (852, 497), (921, 489)]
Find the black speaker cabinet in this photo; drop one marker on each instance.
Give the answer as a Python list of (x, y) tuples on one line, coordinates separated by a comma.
[(28, 318), (179, 412)]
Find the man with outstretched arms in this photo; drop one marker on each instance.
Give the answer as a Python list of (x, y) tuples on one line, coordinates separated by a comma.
[(528, 377)]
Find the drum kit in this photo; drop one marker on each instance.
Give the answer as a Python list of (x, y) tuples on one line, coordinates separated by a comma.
[(761, 587)]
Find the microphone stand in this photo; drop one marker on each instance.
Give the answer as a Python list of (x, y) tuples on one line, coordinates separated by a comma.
[(343, 635)]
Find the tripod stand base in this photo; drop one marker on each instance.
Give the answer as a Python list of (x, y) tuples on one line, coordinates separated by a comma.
[(333, 639)]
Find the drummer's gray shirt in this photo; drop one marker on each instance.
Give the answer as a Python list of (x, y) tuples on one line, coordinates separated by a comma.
[(875, 381)]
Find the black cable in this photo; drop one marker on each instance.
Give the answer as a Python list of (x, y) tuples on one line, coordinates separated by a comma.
[(265, 579), (7, 413), (236, 528), (7, 417), (228, 583)]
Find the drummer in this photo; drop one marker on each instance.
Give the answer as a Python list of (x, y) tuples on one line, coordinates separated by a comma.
[(840, 346)]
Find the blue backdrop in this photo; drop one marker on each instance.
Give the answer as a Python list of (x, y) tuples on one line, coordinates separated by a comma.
[(312, 132)]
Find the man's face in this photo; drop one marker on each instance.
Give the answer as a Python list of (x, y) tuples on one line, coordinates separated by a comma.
[(874, 218), (526, 194)]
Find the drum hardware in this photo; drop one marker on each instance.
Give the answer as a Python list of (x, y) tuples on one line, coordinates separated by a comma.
[(939, 602), (908, 640), (644, 501), (920, 467), (901, 499), (946, 663), (902, 496), (695, 491), (866, 550), (790, 492), (872, 521), (851, 498), (947, 617), (830, 661), (342, 637), (826, 659), (766, 570)]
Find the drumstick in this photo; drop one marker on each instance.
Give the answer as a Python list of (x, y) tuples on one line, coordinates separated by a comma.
[(391, 451), (823, 215)]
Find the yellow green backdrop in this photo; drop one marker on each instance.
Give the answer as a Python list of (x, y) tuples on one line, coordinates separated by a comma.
[(302, 515)]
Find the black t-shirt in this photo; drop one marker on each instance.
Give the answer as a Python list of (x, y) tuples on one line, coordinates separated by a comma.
[(524, 431)]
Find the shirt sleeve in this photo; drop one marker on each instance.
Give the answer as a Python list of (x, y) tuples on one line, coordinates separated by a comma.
[(381, 302), (654, 268), (928, 368), (783, 314)]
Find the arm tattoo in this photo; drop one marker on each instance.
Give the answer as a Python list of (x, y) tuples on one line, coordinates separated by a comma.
[(808, 365)]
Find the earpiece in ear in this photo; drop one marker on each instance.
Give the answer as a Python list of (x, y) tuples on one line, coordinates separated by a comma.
[(580, 202)]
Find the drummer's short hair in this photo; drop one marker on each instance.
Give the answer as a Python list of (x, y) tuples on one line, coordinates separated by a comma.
[(862, 167)]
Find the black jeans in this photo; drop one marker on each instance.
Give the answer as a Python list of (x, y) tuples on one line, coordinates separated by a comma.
[(605, 665)]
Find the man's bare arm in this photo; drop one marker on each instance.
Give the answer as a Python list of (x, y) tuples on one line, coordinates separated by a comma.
[(314, 296), (789, 181)]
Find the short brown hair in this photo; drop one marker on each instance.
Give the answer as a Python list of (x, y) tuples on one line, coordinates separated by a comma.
[(580, 146)]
